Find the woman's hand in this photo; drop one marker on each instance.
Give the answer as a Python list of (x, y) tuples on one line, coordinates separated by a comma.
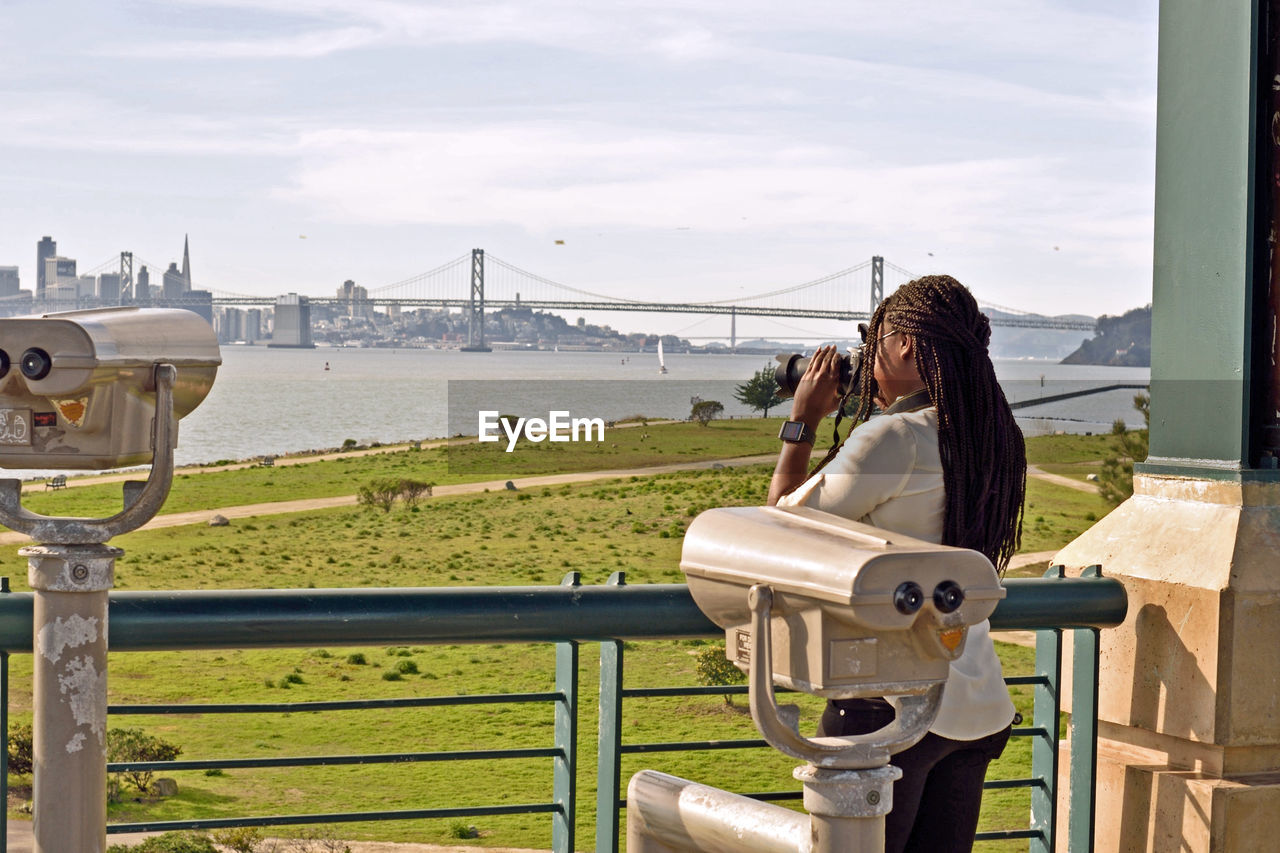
[(818, 391)]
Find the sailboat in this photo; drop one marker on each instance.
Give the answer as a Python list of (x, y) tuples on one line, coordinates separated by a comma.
[(662, 362)]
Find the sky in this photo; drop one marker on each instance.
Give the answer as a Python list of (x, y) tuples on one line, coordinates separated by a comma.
[(678, 150)]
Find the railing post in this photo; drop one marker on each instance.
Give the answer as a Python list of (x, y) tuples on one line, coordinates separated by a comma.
[(1044, 746), (566, 728), (609, 745), (1084, 734)]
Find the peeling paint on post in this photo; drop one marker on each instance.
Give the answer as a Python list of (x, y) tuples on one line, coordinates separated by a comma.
[(69, 742)]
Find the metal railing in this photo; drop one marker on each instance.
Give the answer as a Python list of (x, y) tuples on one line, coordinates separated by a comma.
[(567, 615)]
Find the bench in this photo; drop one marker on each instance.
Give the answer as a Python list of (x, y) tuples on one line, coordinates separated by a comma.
[(58, 482), (268, 462)]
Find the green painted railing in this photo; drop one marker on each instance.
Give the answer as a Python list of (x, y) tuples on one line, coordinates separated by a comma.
[(567, 615)]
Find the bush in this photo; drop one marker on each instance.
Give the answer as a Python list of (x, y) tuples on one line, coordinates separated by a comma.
[(380, 494), (239, 839), (170, 842), (705, 411), (407, 667), (713, 669), (136, 745), (411, 491), (357, 658), (20, 748)]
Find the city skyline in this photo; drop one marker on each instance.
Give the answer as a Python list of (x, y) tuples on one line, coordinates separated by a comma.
[(670, 150)]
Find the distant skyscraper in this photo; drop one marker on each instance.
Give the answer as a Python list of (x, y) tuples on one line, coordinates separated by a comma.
[(355, 300), (8, 281), (186, 262), (109, 288), (46, 248), (175, 285), (61, 284), (142, 287), (293, 322), (252, 325)]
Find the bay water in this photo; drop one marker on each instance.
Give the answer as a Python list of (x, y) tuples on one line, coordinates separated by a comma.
[(277, 401)]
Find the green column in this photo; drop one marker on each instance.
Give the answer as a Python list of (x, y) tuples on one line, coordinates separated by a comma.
[(1207, 252)]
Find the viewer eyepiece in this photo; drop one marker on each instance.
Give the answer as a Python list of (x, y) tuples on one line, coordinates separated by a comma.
[(908, 597), (948, 596), (35, 363)]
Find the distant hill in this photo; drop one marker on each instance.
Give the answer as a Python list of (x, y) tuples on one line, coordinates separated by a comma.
[(1123, 341), (1014, 342)]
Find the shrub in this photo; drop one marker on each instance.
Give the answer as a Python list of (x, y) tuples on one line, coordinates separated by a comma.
[(357, 659), (713, 668), (705, 411), (20, 748), (170, 842), (239, 839), (411, 491), (348, 444), (136, 745), (407, 667), (380, 494)]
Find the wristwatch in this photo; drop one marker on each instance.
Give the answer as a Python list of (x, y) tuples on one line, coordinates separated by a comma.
[(794, 432)]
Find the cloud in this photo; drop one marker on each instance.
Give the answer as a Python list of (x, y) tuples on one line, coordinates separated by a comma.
[(543, 178)]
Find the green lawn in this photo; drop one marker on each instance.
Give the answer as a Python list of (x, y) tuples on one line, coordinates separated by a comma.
[(532, 536)]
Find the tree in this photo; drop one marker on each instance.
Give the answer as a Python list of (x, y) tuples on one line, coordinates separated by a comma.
[(129, 745), (705, 411), (713, 669), (1115, 480), (760, 392), (380, 494)]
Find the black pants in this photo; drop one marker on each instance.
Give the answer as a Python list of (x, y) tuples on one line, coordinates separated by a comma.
[(936, 802)]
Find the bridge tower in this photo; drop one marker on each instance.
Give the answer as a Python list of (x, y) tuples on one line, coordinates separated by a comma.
[(877, 283), (733, 329), (126, 278), (475, 316)]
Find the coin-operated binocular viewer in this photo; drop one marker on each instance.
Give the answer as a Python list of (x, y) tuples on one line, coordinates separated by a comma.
[(831, 607), (92, 389)]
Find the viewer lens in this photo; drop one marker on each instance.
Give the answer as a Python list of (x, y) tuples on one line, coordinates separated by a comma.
[(908, 597), (4, 363), (948, 596), (36, 363)]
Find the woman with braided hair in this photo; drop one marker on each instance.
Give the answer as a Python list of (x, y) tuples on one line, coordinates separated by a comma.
[(944, 462)]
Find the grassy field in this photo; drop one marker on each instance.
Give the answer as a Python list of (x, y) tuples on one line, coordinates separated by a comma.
[(532, 536)]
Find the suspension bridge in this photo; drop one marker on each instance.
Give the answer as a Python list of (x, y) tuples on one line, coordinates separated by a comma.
[(478, 282)]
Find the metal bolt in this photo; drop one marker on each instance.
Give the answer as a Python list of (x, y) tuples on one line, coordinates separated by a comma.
[(873, 797), (79, 571)]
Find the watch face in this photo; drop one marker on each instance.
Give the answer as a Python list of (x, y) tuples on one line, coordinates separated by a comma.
[(792, 431)]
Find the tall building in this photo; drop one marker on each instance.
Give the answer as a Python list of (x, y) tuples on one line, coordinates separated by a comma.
[(175, 285), (109, 288), (186, 261), (252, 325), (200, 302), (355, 300), (8, 281), (293, 322), (46, 248), (142, 287)]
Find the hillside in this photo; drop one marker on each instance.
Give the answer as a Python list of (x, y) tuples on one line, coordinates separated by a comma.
[(1123, 341)]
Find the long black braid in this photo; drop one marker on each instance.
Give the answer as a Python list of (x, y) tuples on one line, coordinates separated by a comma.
[(984, 465)]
